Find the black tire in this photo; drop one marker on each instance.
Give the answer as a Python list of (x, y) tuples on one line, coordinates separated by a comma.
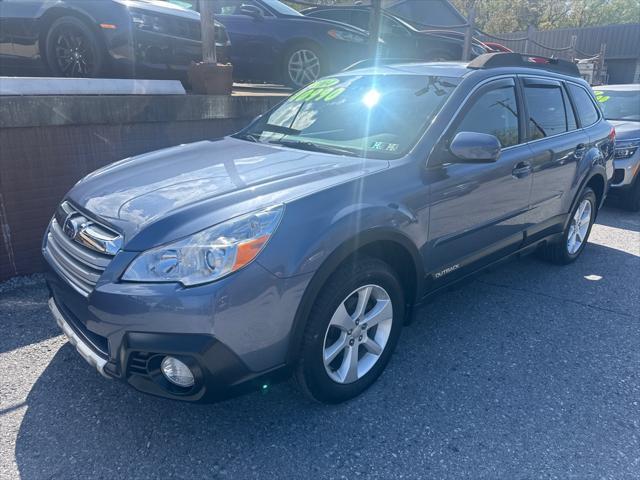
[(73, 49), (288, 57), (632, 199), (558, 252), (310, 372)]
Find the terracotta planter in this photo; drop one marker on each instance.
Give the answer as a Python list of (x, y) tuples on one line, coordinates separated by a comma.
[(211, 78)]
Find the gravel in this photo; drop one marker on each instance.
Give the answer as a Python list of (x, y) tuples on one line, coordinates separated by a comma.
[(527, 371)]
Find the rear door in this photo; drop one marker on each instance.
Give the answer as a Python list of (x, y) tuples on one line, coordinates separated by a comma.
[(557, 145), (478, 210)]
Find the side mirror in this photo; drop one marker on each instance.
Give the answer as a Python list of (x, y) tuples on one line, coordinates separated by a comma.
[(471, 147), (252, 11)]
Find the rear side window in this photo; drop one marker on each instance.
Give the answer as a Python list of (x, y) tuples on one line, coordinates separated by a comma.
[(587, 111), (496, 113), (548, 114)]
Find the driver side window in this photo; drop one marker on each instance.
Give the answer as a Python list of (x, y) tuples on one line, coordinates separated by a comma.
[(494, 112), (234, 7)]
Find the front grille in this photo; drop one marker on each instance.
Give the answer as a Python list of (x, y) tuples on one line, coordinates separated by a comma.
[(74, 254)]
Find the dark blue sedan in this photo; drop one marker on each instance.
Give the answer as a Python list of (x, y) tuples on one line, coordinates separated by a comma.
[(272, 42)]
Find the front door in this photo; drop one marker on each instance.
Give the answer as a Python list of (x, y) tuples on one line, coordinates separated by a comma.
[(478, 210)]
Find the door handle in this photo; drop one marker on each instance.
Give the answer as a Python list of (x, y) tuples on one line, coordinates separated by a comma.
[(521, 170)]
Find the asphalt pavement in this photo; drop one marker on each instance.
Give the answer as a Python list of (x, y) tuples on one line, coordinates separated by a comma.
[(528, 371)]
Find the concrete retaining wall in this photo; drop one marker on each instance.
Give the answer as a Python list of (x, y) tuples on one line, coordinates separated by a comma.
[(47, 143)]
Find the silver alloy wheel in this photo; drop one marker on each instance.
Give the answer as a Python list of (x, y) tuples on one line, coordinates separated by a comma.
[(357, 334), (303, 67), (579, 227)]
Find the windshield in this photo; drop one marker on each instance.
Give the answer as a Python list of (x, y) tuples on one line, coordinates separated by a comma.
[(619, 105), (281, 8), (372, 116)]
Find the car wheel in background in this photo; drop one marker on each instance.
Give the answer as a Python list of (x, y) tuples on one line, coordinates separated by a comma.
[(351, 332), (303, 64), (577, 232), (73, 49)]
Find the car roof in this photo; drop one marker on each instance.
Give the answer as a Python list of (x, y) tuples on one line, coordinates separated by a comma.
[(629, 87), (483, 67), (453, 69), (444, 69)]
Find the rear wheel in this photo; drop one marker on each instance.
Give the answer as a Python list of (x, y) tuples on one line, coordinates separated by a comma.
[(352, 331), (303, 64), (577, 231), (73, 49)]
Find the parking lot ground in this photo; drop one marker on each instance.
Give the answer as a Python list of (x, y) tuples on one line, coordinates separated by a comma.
[(527, 371)]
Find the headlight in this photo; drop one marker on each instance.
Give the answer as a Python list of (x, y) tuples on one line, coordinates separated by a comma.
[(145, 21), (207, 255), (626, 150), (347, 36)]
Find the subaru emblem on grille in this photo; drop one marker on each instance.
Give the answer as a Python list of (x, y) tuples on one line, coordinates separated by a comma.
[(72, 225)]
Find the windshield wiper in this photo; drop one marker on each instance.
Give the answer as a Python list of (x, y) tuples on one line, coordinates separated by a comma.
[(248, 136), (315, 147)]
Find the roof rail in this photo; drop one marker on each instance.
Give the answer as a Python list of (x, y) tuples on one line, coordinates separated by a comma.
[(501, 59), (381, 62)]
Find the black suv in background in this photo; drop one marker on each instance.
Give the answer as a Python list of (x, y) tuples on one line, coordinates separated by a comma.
[(101, 38)]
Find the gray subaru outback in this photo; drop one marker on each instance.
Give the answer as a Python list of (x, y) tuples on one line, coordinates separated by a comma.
[(299, 245)]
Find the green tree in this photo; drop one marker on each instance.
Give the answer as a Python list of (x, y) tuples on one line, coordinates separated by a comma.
[(498, 16)]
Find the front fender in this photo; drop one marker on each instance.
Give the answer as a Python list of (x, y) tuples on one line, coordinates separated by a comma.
[(310, 234)]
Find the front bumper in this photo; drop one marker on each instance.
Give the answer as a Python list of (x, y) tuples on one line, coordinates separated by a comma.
[(625, 172), (234, 334), (160, 55)]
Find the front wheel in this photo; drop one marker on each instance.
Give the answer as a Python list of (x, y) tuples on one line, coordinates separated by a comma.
[(577, 231), (352, 331), (303, 64), (73, 49)]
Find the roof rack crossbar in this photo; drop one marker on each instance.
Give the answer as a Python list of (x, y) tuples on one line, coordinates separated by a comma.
[(501, 59), (381, 62)]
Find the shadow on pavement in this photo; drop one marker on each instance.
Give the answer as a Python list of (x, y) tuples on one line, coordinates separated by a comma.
[(519, 373)]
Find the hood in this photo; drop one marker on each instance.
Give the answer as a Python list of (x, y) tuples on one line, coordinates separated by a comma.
[(626, 130), (179, 190), (159, 6)]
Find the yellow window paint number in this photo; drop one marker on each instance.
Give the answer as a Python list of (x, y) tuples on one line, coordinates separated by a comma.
[(325, 90)]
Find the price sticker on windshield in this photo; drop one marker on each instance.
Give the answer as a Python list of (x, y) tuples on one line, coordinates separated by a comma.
[(600, 96), (327, 89)]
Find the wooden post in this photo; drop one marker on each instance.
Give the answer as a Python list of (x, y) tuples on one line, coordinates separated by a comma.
[(374, 27), (468, 34), (207, 25), (572, 52), (529, 35), (601, 77)]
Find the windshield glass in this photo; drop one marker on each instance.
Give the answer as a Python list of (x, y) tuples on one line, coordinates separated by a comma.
[(373, 116), (619, 105), (281, 8)]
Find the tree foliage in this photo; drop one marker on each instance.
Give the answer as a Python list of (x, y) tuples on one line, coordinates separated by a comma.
[(498, 16)]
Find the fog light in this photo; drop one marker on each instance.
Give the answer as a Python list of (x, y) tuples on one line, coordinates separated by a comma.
[(177, 372)]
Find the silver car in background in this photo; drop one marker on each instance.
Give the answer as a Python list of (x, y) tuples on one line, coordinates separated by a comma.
[(621, 106)]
